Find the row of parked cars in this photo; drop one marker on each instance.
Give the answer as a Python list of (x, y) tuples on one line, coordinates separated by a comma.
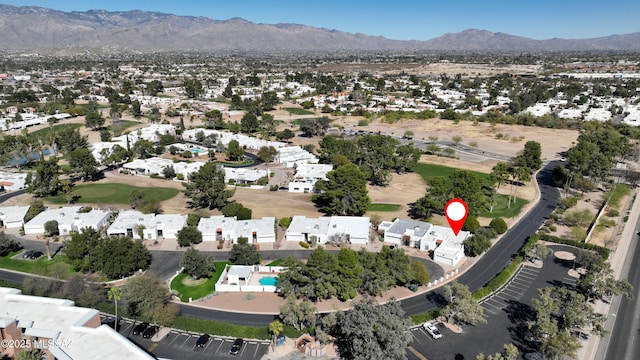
[(32, 254), (235, 348)]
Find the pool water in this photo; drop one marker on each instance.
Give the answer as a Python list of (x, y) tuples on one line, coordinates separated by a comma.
[(269, 281), (196, 151)]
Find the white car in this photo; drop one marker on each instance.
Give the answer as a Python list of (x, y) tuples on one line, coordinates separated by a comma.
[(432, 330)]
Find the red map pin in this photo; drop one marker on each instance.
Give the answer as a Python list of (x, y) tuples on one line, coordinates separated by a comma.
[(456, 211)]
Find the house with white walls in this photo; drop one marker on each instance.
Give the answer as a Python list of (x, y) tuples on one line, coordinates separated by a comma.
[(69, 219), (333, 229), (12, 217), (217, 228)]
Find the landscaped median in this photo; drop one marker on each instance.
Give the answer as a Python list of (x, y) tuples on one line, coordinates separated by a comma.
[(188, 288)]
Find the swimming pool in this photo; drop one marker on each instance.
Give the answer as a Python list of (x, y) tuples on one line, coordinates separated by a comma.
[(195, 151), (269, 280)]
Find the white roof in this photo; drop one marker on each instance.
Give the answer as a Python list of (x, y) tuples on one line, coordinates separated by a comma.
[(211, 224), (241, 271), (245, 228), (13, 213), (128, 219), (243, 174), (63, 215), (170, 222), (302, 224), (50, 316), (355, 226)]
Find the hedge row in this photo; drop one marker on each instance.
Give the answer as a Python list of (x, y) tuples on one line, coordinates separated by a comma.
[(500, 279), (424, 317), (604, 252)]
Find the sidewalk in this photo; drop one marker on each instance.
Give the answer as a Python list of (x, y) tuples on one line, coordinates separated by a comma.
[(617, 258)]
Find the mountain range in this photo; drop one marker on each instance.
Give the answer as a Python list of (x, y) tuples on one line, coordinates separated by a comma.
[(30, 27)]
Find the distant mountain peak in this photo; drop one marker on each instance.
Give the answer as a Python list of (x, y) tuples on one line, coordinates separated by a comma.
[(155, 31)]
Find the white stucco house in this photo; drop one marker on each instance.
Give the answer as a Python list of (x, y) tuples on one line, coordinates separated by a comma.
[(12, 217), (348, 229), (69, 219), (306, 176), (131, 223), (257, 231), (447, 248)]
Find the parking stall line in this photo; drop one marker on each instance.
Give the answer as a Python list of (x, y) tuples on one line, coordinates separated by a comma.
[(219, 346), (517, 286), (503, 298), (509, 292), (530, 271)]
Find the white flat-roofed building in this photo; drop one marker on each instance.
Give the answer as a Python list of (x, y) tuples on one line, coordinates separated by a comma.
[(291, 156), (307, 175), (257, 230), (12, 181), (226, 137), (217, 228), (447, 247), (168, 225), (69, 219), (570, 113), (149, 166), (342, 229), (68, 331), (598, 114), (12, 217), (131, 222), (243, 175)]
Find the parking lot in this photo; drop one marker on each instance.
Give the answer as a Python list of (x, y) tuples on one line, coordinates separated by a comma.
[(182, 345), (514, 290)]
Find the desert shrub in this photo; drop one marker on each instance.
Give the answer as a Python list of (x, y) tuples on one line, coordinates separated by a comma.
[(499, 225)]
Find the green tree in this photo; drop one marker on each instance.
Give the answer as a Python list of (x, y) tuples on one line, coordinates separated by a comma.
[(468, 186), (372, 331), (243, 253), (238, 210), (407, 157), (206, 187), (118, 256), (195, 264), (168, 172), (154, 87), (476, 245), (94, 120), (234, 151), (600, 283), (538, 251), (249, 123), (51, 228), (29, 354), (298, 314), (189, 235), (420, 274), (45, 181), (267, 153), (462, 308), (285, 135), (530, 156), (193, 88), (275, 328), (148, 296), (115, 294), (7, 244), (433, 202), (136, 112), (510, 352), (82, 163), (344, 192)]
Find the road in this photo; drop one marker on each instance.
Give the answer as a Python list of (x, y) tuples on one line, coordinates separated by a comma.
[(623, 343)]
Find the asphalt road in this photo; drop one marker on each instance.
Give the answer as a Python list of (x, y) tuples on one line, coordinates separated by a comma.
[(623, 342), (501, 253)]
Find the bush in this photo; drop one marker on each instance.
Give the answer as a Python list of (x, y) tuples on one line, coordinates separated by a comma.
[(499, 225), (568, 202), (553, 228), (471, 224), (488, 232), (273, 187), (499, 280), (238, 210), (476, 245), (193, 219), (7, 245), (189, 235), (180, 176), (613, 213), (285, 222), (304, 244)]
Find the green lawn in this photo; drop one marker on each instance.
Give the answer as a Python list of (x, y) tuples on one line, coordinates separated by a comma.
[(42, 266), (431, 170), (383, 207), (123, 124), (44, 133), (196, 292), (277, 262), (298, 111), (114, 193), (502, 210)]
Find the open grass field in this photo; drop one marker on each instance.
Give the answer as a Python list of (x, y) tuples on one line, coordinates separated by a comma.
[(114, 193), (383, 207), (44, 132), (122, 125), (502, 209), (298, 111), (196, 292), (41, 266), (432, 170)]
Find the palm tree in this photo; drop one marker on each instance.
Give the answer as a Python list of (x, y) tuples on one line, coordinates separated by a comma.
[(115, 293), (275, 327)]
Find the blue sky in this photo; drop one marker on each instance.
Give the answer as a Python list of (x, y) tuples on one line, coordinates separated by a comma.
[(402, 19)]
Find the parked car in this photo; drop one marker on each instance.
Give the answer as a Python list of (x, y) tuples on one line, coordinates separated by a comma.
[(237, 345), (150, 331), (432, 330), (202, 340), (140, 328), (36, 254), (27, 254)]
